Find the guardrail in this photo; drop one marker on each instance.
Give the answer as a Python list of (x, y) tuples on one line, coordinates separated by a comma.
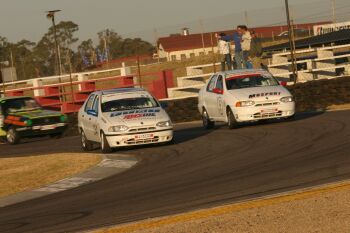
[(68, 97), (324, 63)]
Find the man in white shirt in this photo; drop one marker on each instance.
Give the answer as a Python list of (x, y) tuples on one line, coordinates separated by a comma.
[(225, 54), (246, 42)]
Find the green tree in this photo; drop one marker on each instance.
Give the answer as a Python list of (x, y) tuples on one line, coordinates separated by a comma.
[(87, 49), (119, 47), (45, 50)]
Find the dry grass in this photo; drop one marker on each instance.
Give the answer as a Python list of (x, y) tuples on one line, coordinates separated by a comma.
[(25, 173), (339, 107)]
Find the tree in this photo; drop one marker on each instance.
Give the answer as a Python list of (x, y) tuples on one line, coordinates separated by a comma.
[(24, 59), (45, 50), (86, 51), (119, 47)]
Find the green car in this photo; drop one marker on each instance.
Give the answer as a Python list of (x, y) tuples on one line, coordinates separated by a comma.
[(23, 117)]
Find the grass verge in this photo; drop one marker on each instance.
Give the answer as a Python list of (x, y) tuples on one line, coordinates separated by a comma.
[(25, 173)]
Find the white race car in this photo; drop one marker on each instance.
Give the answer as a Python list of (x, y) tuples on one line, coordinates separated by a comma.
[(123, 117), (244, 96)]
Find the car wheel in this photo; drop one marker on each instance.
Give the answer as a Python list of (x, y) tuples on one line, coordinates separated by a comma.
[(105, 145), (86, 145), (56, 135), (290, 118), (12, 136), (207, 123), (231, 120)]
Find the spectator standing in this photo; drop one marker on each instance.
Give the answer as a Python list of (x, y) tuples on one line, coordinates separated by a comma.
[(236, 38), (246, 43), (225, 54), (256, 51)]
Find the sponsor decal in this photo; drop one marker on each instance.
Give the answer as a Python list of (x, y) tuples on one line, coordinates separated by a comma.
[(266, 94), (136, 114), (328, 28)]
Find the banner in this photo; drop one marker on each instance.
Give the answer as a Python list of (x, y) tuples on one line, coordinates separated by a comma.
[(328, 28)]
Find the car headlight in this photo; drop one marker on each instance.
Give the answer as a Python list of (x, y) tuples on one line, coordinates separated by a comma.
[(28, 122), (118, 128), (245, 103), (287, 99), (164, 124)]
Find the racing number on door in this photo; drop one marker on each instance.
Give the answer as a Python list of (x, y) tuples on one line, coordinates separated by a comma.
[(220, 101), (221, 105)]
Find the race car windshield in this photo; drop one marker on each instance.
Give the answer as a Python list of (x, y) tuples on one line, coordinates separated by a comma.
[(21, 105), (129, 104), (250, 81)]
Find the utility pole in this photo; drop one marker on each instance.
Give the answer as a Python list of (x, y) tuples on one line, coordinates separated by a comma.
[(105, 45), (202, 34), (2, 80), (51, 15), (12, 65), (334, 18), (246, 17), (213, 52), (156, 43), (291, 43)]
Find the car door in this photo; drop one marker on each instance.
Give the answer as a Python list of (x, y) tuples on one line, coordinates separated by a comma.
[(220, 104), (94, 120), (86, 117), (210, 97)]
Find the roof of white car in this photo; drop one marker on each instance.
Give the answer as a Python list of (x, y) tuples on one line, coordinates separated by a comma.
[(120, 91), (243, 72)]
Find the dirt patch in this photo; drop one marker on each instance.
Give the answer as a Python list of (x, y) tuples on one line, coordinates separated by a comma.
[(25, 173), (339, 107), (324, 212)]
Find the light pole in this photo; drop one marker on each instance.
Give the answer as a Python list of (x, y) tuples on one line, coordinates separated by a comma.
[(291, 43), (334, 19), (51, 15)]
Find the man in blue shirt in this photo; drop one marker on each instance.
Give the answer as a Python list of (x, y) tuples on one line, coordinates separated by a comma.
[(237, 39)]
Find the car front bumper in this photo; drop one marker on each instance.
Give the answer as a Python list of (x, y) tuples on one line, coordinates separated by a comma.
[(36, 131), (155, 137), (248, 114)]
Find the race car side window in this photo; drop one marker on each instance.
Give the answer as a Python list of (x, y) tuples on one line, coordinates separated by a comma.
[(211, 84), (96, 104), (220, 83), (89, 103)]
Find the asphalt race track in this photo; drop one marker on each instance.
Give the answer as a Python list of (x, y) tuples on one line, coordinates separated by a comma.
[(204, 169)]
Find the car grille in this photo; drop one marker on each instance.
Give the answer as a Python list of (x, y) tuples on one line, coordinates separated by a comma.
[(46, 121), (141, 141), (142, 129), (267, 115), (267, 104)]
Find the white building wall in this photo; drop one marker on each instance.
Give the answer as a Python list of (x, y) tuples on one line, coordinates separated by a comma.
[(187, 53)]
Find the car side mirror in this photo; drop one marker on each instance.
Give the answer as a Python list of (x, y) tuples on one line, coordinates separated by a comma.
[(218, 91), (91, 112), (283, 83)]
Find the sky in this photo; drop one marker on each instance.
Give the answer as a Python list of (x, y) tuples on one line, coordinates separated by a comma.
[(26, 18)]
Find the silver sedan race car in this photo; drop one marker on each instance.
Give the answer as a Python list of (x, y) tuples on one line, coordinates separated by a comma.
[(244, 96), (123, 117)]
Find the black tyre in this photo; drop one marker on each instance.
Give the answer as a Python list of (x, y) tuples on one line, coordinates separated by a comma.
[(207, 123), (12, 136), (56, 135), (86, 145), (290, 118), (231, 120), (106, 149)]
